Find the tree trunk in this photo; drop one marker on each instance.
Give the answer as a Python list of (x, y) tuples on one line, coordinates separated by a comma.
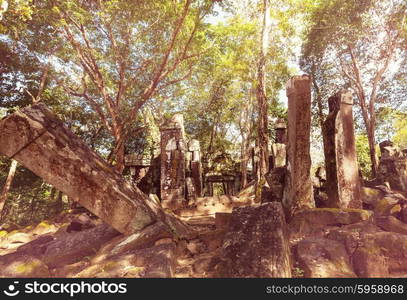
[(261, 93), (7, 185), (372, 148), (40, 142), (120, 164), (243, 163)]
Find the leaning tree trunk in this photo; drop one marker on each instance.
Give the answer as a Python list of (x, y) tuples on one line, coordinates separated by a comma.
[(7, 185), (37, 139), (261, 94)]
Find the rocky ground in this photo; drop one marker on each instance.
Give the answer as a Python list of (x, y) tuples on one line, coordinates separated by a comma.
[(323, 242)]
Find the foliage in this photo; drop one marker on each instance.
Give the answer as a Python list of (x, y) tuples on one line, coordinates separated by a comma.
[(362, 150), (358, 45)]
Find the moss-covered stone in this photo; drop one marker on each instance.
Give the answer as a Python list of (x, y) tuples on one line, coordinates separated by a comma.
[(23, 266), (370, 195), (44, 227), (385, 206)]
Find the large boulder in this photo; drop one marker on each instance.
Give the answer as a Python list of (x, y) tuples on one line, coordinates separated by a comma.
[(317, 220), (142, 239), (370, 196), (154, 262), (392, 224), (380, 254), (320, 257), (75, 246), (256, 243), (349, 235)]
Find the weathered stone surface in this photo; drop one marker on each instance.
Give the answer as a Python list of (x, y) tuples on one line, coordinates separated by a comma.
[(349, 235), (142, 239), (321, 258), (371, 196), (281, 131), (368, 263), (44, 228), (15, 239), (173, 163), (256, 243), (343, 183), (276, 179), (72, 247), (153, 262), (23, 266), (265, 194), (312, 221), (298, 192), (386, 206), (392, 224), (222, 220), (379, 253), (279, 152), (403, 215), (392, 166), (37, 139), (191, 192), (196, 173)]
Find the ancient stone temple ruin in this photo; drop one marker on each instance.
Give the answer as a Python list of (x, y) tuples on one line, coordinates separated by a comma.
[(194, 170), (173, 149), (180, 232), (392, 166), (342, 171), (276, 175), (298, 193), (278, 149)]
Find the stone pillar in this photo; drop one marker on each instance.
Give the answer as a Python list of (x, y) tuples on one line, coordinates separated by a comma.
[(392, 166), (279, 147), (255, 161), (196, 167), (298, 192), (173, 163), (342, 173)]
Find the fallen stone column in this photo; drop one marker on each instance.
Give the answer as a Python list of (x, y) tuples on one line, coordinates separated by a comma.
[(38, 140), (342, 171), (298, 193)]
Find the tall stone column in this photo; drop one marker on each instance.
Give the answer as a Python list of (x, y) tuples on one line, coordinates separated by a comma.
[(173, 163), (279, 147), (342, 175), (196, 168), (298, 192)]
